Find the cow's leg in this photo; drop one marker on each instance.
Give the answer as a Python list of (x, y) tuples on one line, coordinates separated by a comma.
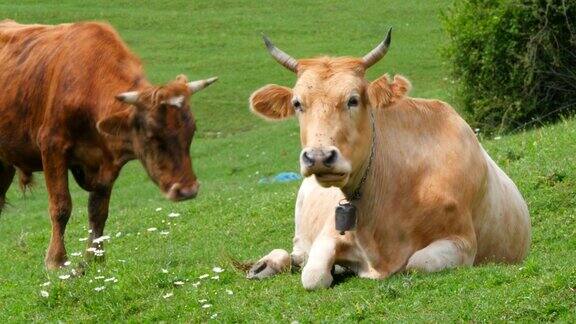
[(299, 254), (443, 254), (60, 203), (317, 271), (98, 203), (274, 262), (6, 176)]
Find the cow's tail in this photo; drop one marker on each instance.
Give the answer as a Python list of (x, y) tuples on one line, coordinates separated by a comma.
[(26, 181)]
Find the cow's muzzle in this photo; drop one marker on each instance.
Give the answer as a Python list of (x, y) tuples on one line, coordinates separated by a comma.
[(327, 164), (179, 191)]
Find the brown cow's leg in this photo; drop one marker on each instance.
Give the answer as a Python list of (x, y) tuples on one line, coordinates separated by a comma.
[(6, 176), (98, 203), (60, 202)]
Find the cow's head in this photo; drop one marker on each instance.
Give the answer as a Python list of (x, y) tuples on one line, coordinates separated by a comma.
[(159, 129), (333, 101)]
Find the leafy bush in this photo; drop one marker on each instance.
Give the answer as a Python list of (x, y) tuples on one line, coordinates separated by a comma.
[(514, 60)]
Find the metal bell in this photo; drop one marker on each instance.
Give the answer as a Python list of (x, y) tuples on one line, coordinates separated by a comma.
[(345, 217)]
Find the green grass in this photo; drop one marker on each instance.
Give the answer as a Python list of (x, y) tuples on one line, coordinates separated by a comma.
[(236, 217)]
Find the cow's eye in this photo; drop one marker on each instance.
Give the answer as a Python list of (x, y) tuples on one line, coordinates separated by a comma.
[(352, 102), (297, 105)]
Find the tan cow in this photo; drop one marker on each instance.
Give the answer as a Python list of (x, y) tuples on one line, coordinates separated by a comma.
[(427, 195)]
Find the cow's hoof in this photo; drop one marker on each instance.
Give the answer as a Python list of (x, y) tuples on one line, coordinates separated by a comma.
[(52, 265), (316, 279), (261, 269), (275, 262)]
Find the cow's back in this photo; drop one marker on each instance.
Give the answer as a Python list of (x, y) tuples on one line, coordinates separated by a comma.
[(56, 76)]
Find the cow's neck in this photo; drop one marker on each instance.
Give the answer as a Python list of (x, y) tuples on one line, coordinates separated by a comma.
[(374, 187), (355, 189)]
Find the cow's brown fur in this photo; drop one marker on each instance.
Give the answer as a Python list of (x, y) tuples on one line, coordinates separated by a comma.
[(58, 112)]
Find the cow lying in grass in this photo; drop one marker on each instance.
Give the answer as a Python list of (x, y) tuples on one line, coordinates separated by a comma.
[(427, 195), (75, 98)]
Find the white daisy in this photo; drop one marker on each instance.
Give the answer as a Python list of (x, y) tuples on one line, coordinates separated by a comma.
[(101, 239)]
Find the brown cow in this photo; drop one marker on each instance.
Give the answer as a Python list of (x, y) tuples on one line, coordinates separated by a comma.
[(427, 196), (75, 98)]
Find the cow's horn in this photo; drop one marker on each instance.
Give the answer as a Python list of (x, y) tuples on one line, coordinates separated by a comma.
[(280, 56), (130, 97), (196, 86), (378, 52)]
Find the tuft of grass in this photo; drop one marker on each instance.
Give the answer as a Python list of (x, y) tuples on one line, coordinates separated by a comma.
[(235, 218)]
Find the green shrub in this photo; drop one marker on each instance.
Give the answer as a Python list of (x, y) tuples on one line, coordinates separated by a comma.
[(514, 60)]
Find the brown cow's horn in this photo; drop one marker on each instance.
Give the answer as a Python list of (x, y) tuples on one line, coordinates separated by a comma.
[(280, 56), (130, 97), (196, 86), (378, 52)]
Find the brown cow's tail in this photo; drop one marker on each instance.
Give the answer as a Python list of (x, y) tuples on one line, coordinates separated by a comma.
[(26, 181)]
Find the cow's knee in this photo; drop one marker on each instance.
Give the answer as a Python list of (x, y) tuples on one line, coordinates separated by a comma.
[(316, 278), (317, 272), (275, 262), (442, 254)]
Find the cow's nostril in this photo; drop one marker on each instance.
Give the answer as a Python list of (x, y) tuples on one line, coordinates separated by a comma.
[(307, 159), (331, 158), (178, 193)]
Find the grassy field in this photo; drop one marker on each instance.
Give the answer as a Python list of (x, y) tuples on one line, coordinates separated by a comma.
[(236, 217)]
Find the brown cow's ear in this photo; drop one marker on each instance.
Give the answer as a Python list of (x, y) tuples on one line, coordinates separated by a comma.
[(182, 78), (382, 92), (272, 102), (115, 125)]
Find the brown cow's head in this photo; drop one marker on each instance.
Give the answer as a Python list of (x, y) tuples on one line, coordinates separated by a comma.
[(332, 100), (159, 129)]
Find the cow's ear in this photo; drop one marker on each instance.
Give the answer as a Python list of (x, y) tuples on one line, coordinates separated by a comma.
[(272, 102), (116, 125), (382, 92)]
